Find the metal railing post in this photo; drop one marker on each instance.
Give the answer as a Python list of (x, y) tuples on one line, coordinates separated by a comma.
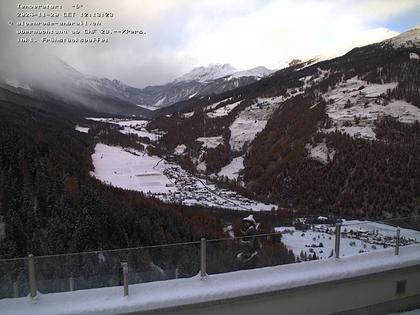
[(71, 282), (125, 276), (203, 258), (397, 242), (337, 240), (15, 290), (32, 278)]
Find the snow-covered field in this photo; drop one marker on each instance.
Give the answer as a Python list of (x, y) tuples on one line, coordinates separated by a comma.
[(214, 105), (130, 170), (223, 111), (81, 129), (308, 81), (180, 149), (359, 99), (251, 121), (320, 152), (210, 142), (138, 171), (231, 170), (411, 38), (137, 127), (18, 85), (414, 56), (357, 237)]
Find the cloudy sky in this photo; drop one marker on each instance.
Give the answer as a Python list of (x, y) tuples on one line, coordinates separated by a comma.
[(182, 34)]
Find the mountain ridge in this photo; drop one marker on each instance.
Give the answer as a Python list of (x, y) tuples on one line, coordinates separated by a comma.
[(305, 120)]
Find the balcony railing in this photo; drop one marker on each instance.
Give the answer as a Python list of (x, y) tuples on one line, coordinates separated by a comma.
[(311, 240)]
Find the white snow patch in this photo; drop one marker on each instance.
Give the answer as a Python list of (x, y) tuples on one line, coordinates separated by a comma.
[(180, 149), (160, 102), (320, 152), (149, 107), (209, 73), (312, 79), (223, 111), (131, 123), (375, 90), (137, 127), (357, 99), (355, 132), (414, 56), (106, 120), (411, 38), (258, 72), (214, 105), (18, 85), (140, 133), (192, 95), (210, 142), (201, 167), (251, 121), (231, 170), (82, 129), (171, 293), (188, 115)]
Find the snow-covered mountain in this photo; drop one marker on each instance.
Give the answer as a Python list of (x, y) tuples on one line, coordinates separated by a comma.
[(209, 73), (63, 83), (258, 72), (411, 38), (217, 71), (199, 82)]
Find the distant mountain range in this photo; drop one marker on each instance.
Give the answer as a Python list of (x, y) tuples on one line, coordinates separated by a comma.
[(104, 95)]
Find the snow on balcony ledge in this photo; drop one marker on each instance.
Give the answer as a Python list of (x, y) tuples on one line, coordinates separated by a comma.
[(171, 293)]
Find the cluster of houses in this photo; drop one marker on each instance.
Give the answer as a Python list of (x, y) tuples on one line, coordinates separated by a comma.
[(374, 236), (190, 190)]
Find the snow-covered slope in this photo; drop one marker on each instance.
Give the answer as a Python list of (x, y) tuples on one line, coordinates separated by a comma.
[(211, 72), (258, 72), (251, 121), (355, 99), (217, 71), (411, 38)]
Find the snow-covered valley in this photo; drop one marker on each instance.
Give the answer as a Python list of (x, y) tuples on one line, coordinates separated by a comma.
[(134, 170)]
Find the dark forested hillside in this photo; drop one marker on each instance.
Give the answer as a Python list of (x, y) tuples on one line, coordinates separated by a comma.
[(365, 178)]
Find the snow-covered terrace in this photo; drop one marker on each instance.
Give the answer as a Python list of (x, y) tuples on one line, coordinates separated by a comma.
[(371, 276)]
